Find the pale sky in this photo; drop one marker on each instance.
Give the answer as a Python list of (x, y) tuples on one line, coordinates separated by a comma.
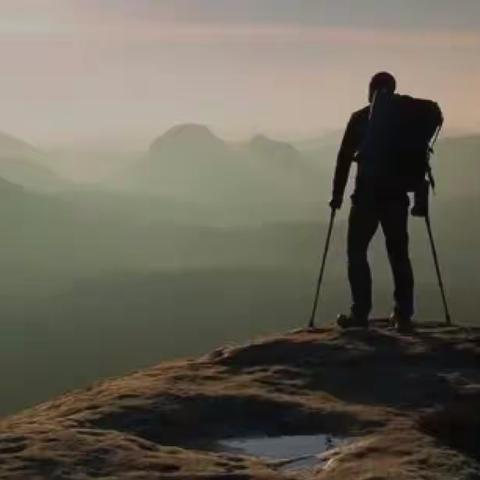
[(126, 70)]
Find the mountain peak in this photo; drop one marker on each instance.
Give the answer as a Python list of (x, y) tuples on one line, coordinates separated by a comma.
[(189, 128), (261, 139), (188, 133), (264, 145)]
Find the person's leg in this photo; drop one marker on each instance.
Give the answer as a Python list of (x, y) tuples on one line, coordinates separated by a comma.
[(362, 225), (394, 221)]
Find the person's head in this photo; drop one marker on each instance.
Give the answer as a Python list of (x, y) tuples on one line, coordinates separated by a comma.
[(382, 81)]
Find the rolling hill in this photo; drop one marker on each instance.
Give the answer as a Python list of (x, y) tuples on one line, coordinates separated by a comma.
[(21, 163)]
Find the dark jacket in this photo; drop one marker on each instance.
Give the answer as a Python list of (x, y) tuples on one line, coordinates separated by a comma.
[(371, 146), (350, 146)]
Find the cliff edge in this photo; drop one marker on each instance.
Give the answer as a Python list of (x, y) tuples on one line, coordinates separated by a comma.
[(405, 407)]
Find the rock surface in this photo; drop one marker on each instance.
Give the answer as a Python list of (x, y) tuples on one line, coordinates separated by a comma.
[(408, 404)]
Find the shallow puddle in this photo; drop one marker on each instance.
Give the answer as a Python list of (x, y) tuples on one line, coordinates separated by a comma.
[(300, 450)]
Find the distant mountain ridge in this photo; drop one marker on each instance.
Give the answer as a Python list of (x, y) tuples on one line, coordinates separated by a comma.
[(20, 163), (201, 135), (10, 145), (192, 162), (280, 150), (189, 159)]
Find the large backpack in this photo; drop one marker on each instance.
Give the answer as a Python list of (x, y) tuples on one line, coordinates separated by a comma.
[(398, 141)]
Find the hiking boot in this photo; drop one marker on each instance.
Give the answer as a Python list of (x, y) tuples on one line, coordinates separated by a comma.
[(351, 321), (402, 324)]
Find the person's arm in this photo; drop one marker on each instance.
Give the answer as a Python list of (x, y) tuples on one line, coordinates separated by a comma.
[(345, 158)]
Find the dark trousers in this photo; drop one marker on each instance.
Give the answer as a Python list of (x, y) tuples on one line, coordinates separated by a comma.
[(392, 215)]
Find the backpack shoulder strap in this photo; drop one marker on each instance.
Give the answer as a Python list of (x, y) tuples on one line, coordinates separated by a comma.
[(439, 121)]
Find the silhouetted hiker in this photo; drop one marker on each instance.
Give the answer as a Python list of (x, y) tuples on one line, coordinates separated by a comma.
[(380, 198)]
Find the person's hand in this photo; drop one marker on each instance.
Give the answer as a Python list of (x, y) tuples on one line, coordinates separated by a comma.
[(336, 203)]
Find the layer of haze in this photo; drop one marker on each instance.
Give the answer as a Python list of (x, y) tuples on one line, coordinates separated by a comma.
[(111, 71)]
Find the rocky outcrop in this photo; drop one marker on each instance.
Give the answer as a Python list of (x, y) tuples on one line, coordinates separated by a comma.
[(407, 404)]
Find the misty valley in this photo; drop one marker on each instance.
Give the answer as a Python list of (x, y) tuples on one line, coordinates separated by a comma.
[(194, 243)]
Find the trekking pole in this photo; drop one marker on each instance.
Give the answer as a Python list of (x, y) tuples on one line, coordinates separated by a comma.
[(311, 323), (448, 319)]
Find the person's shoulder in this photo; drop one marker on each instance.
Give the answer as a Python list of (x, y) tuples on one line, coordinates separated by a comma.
[(360, 115)]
